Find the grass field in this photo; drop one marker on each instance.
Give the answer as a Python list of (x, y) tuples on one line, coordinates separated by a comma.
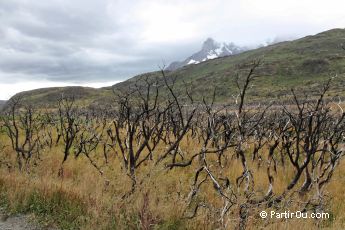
[(84, 199)]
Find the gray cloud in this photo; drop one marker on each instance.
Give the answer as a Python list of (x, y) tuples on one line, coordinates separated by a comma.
[(63, 41)]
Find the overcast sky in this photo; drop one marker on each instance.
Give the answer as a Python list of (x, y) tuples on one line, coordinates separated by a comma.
[(100, 42)]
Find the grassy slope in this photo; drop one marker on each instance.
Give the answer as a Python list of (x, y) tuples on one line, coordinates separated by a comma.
[(48, 97), (303, 64)]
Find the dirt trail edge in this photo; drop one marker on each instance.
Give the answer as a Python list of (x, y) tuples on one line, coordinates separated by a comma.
[(17, 222)]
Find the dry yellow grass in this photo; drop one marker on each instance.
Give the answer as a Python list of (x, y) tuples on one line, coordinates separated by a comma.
[(87, 200)]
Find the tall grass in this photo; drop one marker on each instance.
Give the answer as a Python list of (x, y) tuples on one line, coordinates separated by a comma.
[(84, 199)]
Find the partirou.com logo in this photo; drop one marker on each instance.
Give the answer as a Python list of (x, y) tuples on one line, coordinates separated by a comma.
[(297, 214)]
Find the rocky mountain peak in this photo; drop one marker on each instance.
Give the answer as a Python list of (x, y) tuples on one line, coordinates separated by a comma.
[(209, 44), (210, 49)]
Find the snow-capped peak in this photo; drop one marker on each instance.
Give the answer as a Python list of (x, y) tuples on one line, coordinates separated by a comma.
[(209, 50)]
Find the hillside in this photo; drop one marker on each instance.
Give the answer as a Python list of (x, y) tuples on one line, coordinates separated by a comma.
[(303, 64), (48, 97)]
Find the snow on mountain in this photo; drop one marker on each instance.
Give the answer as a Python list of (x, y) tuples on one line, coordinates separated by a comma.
[(193, 62), (210, 50)]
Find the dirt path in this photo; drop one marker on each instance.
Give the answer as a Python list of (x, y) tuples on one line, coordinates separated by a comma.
[(18, 222)]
